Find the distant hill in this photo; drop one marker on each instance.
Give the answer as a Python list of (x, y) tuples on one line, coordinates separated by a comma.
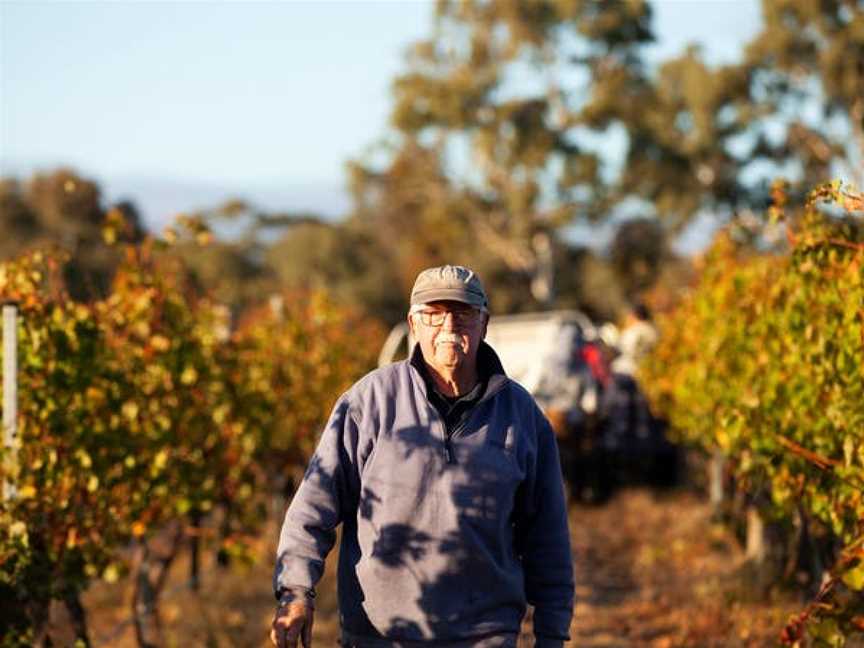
[(160, 199)]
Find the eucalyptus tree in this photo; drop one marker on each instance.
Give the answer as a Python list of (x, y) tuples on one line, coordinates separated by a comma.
[(712, 139), (61, 208), (493, 155), (806, 88)]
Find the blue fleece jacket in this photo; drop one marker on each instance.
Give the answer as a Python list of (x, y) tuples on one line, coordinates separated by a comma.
[(445, 536)]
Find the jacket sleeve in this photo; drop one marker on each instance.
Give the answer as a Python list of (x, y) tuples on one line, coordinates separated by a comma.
[(328, 490), (543, 540)]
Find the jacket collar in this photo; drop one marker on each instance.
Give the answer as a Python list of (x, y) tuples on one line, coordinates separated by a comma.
[(489, 368)]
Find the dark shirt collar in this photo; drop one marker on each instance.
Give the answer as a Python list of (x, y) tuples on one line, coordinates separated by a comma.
[(490, 371)]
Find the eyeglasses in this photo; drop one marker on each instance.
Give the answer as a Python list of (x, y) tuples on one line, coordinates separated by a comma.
[(461, 318)]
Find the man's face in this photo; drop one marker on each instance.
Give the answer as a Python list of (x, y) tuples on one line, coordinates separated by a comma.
[(448, 332)]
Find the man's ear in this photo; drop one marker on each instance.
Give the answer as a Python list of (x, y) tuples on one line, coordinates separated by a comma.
[(411, 325), (485, 326)]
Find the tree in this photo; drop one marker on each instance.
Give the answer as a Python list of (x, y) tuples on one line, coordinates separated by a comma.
[(65, 210), (591, 285), (235, 266), (637, 252), (347, 263), (515, 119), (490, 108), (18, 221), (677, 163), (806, 80), (711, 140)]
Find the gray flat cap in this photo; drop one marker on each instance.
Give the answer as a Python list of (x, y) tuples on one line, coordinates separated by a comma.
[(449, 283)]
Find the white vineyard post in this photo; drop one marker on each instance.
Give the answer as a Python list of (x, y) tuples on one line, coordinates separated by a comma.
[(10, 394), (716, 473)]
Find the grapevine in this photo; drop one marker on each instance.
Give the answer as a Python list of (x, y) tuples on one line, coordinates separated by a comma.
[(149, 410), (763, 360)]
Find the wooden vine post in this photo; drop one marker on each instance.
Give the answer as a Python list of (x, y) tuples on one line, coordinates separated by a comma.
[(10, 395)]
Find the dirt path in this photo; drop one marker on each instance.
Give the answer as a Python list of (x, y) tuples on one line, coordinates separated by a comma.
[(652, 571)]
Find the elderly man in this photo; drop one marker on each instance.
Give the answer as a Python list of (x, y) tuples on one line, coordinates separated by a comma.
[(444, 475)]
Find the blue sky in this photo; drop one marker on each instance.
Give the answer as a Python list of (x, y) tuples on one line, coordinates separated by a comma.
[(180, 105)]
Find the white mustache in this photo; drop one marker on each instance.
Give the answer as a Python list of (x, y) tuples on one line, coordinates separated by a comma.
[(448, 338)]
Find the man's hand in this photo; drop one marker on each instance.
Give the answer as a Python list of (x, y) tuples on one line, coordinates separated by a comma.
[(292, 622)]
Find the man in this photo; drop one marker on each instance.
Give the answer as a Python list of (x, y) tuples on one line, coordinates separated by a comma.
[(445, 477)]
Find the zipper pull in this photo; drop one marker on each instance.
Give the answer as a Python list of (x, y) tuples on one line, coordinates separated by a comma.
[(448, 452)]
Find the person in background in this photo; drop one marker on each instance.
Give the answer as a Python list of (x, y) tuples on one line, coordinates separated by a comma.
[(635, 440), (638, 337), (445, 477)]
